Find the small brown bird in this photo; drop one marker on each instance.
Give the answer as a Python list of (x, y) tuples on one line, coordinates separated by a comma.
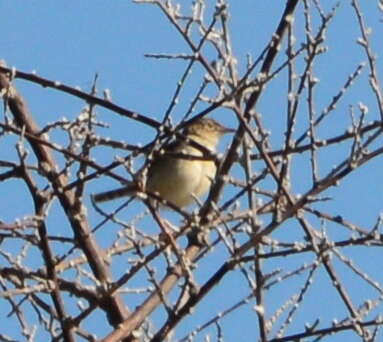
[(178, 179)]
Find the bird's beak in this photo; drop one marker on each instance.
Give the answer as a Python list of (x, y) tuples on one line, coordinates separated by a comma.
[(226, 130)]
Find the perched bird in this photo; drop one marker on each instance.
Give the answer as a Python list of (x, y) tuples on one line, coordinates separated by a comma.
[(174, 175)]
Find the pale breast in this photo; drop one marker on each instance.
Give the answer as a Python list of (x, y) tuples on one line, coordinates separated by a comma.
[(179, 180), (207, 177)]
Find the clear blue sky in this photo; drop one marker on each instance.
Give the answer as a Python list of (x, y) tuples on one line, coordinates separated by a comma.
[(70, 41)]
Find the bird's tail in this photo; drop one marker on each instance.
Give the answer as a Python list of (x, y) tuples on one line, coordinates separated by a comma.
[(113, 194)]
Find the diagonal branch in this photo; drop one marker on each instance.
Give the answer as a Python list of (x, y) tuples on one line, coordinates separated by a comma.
[(72, 206)]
